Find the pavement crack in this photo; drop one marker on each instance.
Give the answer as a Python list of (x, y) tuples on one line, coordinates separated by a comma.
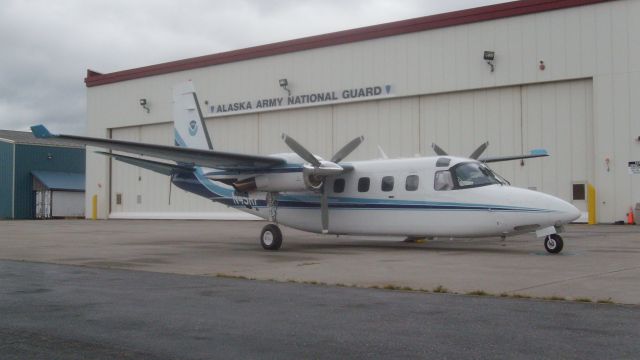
[(576, 278)]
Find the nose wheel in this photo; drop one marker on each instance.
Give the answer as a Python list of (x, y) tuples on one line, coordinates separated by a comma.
[(271, 237), (553, 243)]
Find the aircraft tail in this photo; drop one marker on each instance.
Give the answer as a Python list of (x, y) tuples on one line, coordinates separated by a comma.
[(188, 123)]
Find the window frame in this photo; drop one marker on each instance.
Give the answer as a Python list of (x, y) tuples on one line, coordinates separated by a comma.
[(383, 183), (361, 181), (406, 182), (342, 187), (451, 183)]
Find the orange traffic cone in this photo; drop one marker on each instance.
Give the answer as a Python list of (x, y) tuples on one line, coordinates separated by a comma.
[(630, 219)]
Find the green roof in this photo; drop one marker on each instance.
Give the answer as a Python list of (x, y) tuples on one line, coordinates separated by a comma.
[(54, 180), (26, 137)]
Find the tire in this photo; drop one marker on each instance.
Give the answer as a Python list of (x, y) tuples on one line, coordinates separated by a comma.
[(271, 237), (553, 243)]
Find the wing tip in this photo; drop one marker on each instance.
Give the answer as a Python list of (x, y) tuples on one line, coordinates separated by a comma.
[(539, 152), (41, 132)]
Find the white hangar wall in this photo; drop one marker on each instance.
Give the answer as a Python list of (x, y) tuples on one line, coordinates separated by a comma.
[(580, 108)]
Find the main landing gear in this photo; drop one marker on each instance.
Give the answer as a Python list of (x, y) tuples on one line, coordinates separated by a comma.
[(271, 237), (553, 243)]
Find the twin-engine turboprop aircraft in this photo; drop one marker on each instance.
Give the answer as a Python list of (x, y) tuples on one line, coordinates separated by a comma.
[(441, 196)]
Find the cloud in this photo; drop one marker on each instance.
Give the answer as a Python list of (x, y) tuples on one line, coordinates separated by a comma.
[(48, 45)]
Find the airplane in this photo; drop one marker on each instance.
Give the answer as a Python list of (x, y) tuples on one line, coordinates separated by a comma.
[(421, 197)]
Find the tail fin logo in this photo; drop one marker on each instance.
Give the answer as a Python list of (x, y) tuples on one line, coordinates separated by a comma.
[(193, 128)]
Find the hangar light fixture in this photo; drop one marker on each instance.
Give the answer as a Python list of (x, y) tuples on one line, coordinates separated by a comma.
[(489, 56), (143, 103), (283, 84)]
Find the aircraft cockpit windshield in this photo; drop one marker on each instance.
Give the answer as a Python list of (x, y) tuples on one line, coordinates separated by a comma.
[(466, 175)]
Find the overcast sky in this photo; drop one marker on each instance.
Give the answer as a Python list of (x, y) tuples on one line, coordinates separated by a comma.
[(47, 46)]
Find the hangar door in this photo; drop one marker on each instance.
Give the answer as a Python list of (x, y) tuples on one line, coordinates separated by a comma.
[(140, 193), (555, 116)]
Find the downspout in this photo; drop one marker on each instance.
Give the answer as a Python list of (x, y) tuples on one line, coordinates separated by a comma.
[(13, 185)]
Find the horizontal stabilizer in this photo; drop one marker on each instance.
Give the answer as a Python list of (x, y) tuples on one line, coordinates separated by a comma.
[(159, 167), (533, 154)]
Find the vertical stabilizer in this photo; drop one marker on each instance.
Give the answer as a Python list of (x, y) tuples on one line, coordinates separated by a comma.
[(190, 129)]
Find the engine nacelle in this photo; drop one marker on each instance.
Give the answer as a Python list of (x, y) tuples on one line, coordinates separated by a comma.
[(298, 181), (281, 182)]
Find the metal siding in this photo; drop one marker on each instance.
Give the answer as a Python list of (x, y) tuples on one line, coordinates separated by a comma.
[(634, 133), (392, 124), (125, 177), (6, 179), (310, 127), (31, 157)]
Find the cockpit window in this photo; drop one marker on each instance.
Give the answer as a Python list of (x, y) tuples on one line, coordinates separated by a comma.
[(466, 175), (473, 174)]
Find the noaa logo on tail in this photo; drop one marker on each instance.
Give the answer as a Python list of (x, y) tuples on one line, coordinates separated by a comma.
[(193, 128)]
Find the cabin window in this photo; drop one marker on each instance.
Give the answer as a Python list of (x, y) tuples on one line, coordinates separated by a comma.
[(443, 181), (412, 182), (387, 183), (338, 185), (363, 184)]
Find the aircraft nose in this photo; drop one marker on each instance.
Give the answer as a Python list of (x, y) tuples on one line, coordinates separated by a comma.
[(569, 211)]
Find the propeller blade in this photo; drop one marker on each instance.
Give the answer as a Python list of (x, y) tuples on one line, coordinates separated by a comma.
[(324, 209), (438, 150), (347, 149), (170, 183), (476, 154), (300, 150)]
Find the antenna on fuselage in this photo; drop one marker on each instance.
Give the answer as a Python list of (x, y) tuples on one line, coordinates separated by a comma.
[(382, 154)]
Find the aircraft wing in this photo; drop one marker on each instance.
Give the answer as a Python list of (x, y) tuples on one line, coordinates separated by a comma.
[(534, 154), (159, 167), (181, 155)]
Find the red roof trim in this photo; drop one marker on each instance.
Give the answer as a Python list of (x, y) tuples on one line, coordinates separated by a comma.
[(484, 13)]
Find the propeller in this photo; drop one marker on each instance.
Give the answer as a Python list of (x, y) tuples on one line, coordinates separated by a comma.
[(318, 170), (347, 149), (438, 150), (301, 151), (476, 154)]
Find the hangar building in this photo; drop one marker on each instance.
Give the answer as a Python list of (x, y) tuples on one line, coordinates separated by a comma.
[(40, 178), (565, 76)]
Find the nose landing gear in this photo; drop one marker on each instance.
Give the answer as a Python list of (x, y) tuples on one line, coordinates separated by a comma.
[(553, 243)]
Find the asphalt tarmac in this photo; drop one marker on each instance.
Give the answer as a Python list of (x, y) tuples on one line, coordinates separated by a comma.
[(76, 312), (598, 263)]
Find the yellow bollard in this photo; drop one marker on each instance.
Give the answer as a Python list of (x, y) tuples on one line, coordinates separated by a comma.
[(94, 207), (591, 204)]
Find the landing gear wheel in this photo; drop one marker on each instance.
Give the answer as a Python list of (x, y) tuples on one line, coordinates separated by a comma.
[(271, 237), (553, 243)]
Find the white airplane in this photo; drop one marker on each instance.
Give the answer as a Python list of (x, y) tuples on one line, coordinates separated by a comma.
[(438, 196)]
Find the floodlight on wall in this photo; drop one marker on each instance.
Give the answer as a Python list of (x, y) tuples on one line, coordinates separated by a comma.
[(284, 83), (489, 56), (143, 103)]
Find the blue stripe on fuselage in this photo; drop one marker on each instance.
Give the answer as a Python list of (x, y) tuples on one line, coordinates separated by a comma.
[(198, 183)]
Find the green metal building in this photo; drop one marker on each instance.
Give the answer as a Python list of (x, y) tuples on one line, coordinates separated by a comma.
[(21, 154)]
